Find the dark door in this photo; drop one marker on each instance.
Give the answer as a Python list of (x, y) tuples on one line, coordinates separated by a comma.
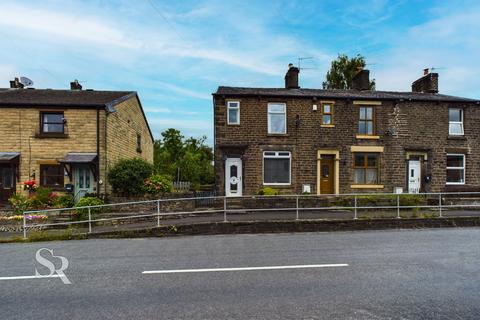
[(7, 182), (326, 176)]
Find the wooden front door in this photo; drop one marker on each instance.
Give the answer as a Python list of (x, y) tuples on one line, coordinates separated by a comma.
[(7, 182), (327, 175)]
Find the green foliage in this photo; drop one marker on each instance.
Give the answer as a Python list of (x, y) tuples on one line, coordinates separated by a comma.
[(268, 192), (41, 198), (64, 201), (19, 203), (158, 184), (342, 71), (128, 175), (184, 159), (89, 201)]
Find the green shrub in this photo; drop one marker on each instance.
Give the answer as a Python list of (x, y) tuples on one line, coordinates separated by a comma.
[(268, 192), (19, 202), (89, 201), (158, 184), (64, 201), (128, 175)]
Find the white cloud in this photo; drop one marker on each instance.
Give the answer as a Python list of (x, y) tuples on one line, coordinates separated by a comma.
[(448, 42)]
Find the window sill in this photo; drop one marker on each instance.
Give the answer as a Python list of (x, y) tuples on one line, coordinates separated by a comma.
[(278, 184), (365, 136), (51, 135), (456, 137), (233, 124), (327, 125), (277, 135), (367, 186)]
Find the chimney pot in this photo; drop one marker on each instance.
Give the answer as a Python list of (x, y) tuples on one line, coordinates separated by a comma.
[(425, 71), (291, 78)]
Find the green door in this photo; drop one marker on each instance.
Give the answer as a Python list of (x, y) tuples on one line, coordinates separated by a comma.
[(83, 181)]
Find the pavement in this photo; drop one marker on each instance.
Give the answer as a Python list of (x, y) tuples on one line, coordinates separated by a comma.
[(407, 274)]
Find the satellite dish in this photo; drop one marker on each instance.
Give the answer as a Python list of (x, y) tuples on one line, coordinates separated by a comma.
[(26, 82)]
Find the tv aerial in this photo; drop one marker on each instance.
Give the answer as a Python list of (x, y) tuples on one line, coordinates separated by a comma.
[(26, 81), (302, 59)]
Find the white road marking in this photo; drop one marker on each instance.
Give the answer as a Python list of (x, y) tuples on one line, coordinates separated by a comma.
[(30, 277), (306, 266)]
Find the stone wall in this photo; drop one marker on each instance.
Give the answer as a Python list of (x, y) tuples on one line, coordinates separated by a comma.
[(122, 128), (402, 127), (165, 206)]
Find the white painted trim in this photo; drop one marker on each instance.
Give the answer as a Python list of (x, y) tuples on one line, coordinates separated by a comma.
[(228, 111), (305, 266), (277, 157), (284, 116), (456, 122), (457, 168)]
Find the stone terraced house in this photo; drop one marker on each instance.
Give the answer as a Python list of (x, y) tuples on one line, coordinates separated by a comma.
[(345, 141), (67, 139)]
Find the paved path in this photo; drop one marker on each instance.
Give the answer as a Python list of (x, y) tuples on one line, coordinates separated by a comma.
[(409, 274)]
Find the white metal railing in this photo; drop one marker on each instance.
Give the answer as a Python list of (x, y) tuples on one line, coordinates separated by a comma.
[(353, 198)]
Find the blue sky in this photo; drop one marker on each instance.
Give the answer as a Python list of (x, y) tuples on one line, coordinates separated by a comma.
[(176, 53)]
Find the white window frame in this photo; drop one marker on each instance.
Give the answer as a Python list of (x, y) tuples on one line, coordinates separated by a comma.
[(276, 155), (229, 107), (456, 122), (276, 112), (456, 168)]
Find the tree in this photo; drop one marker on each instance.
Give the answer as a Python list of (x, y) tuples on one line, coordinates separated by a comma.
[(184, 159), (342, 71)]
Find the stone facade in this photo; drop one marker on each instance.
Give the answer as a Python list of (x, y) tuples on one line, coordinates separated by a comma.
[(404, 129), (116, 135)]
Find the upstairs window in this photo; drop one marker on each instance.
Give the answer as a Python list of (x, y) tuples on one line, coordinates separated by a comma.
[(327, 113), (455, 169), (277, 118), (233, 109), (366, 168), (51, 176), (276, 167), (52, 122), (366, 123), (139, 143), (455, 122)]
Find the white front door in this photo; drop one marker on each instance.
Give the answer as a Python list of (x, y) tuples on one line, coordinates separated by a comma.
[(414, 176), (233, 177)]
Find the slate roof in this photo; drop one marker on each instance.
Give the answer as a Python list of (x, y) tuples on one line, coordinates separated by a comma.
[(339, 94), (7, 156), (50, 97), (17, 98)]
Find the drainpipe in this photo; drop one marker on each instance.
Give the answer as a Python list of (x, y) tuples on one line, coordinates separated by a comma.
[(98, 150)]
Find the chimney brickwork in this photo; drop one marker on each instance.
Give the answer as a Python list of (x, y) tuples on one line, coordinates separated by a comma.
[(426, 84), (291, 78), (361, 81)]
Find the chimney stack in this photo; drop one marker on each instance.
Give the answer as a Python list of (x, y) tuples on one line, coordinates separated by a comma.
[(15, 84), (426, 84), (361, 80), (75, 85), (291, 78)]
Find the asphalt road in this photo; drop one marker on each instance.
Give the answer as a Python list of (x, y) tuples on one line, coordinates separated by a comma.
[(412, 274)]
